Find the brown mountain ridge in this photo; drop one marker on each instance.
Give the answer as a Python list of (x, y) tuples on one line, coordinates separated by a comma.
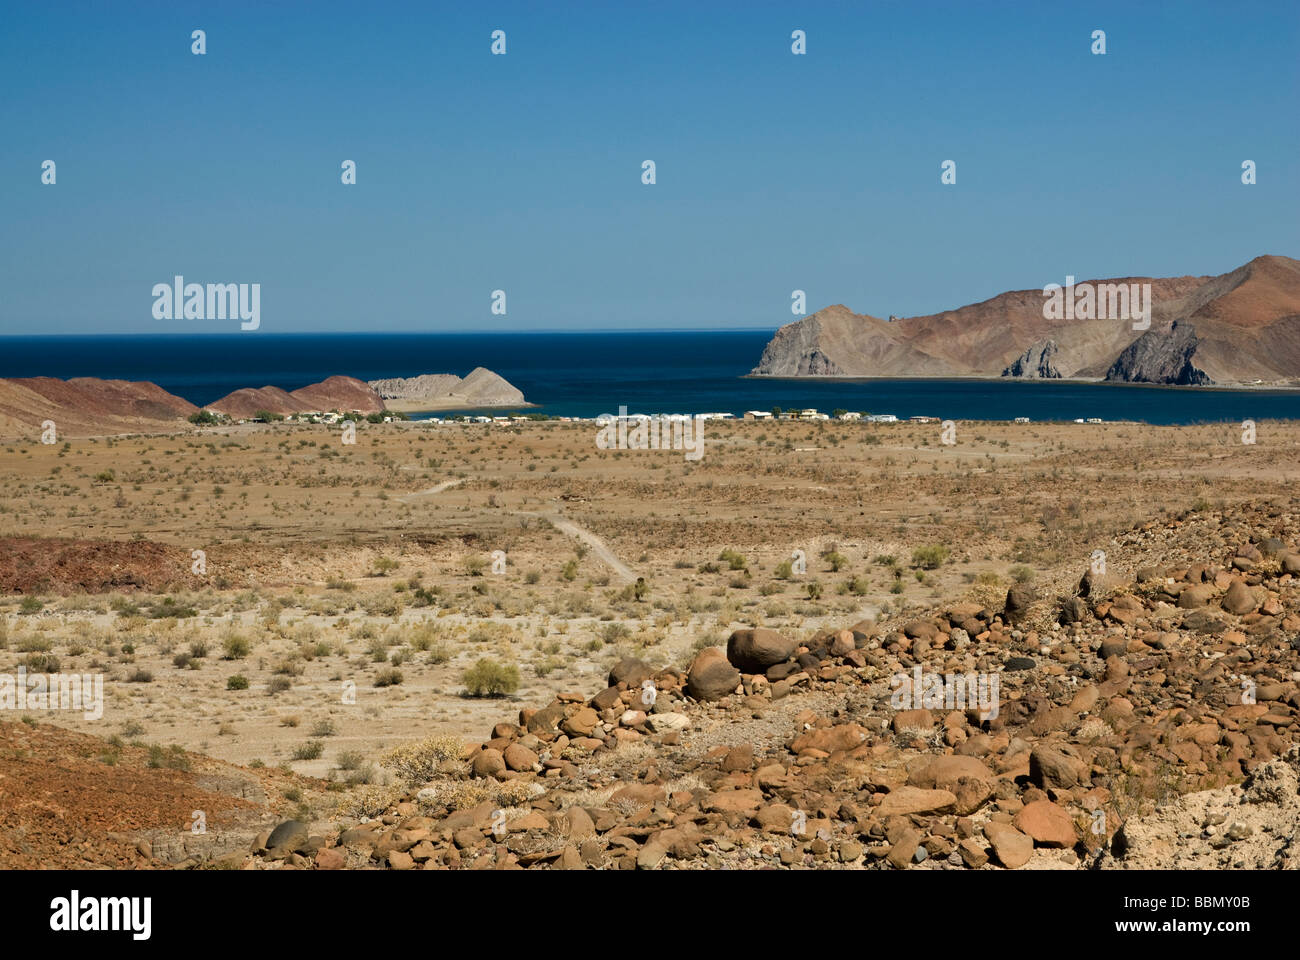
[(1239, 328)]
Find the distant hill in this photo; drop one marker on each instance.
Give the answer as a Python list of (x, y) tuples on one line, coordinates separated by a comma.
[(445, 391), (1237, 328), (85, 406), (344, 394)]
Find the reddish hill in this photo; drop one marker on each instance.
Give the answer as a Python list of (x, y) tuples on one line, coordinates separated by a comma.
[(343, 394), (85, 406), (248, 401)]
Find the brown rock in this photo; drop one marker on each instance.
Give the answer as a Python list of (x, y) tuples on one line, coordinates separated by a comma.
[(909, 800), (913, 720), (903, 851), (745, 801), (1053, 767), (1012, 848), (582, 723), (519, 757), (754, 650), (711, 677), (830, 739), (330, 858), (1239, 600), (1048, 824), (972, 852), (488, 763)]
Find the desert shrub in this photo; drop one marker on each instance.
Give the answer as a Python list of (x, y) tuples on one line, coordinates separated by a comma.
[(311, 750), (930, 557), (388, 678), (1021, 573), (417, 762), (41, 663), (237, 682), (735, 559), (614, 632), (34, 643), (235, 647), (323, 728), (170, 758), (490, 678)]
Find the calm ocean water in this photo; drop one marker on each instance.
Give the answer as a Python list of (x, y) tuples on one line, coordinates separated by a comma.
[(586, 374)]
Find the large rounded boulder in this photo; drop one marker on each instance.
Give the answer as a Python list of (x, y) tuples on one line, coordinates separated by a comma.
[(754, 650), (711, 677)]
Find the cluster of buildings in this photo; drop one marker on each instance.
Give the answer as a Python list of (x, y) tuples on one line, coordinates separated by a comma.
[(809, 413)]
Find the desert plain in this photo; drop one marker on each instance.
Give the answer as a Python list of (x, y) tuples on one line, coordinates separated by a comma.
[(332, 649)]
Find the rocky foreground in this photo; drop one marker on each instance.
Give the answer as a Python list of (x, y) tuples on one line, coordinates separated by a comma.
[(1174, 690)]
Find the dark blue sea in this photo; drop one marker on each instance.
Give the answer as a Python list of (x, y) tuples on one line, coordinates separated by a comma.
[(586, 374)]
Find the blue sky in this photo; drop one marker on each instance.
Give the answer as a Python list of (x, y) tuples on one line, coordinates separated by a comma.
[(523, 172)]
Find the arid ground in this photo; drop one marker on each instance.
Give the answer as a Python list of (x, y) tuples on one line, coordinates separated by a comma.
[(293, 608)]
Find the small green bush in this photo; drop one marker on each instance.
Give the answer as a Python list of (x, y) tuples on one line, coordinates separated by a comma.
[(489, 678)]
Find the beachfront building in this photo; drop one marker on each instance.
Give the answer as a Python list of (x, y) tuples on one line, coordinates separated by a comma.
[(1022, 419), (850, 415), (758, 414), (922, 419)]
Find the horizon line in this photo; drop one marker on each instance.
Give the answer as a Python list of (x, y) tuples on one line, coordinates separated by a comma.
[(430, 333)]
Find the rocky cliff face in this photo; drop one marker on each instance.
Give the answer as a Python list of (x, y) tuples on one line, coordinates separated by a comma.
[(1036, 363), (1239, 327), (1161, 356)]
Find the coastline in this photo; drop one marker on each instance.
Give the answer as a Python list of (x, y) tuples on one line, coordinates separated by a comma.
[(1078, 381), (434, 406)]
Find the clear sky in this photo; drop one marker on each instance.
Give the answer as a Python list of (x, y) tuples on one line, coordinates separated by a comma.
[(522, 172)]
